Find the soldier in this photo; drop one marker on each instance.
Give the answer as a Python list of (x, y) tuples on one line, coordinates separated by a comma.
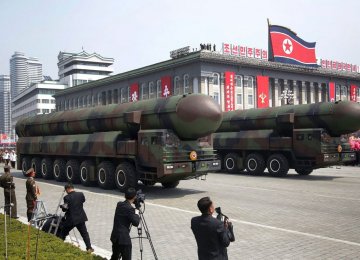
[(6, 182), (32, 191)]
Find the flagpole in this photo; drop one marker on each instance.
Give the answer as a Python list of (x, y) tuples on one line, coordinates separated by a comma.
[(270, 49)]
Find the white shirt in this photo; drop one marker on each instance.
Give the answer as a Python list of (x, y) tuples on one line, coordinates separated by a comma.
[(6, 156), (13, 157)]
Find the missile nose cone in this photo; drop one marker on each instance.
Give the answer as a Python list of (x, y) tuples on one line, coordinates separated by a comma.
[(199, 116), (347, 116)]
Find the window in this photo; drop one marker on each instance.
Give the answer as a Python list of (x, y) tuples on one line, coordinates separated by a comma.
[(249, 90), (45, 111), (109, 97), (74, 100), (124, 94), (217, 97), (88, 101), (152, 93), (177, 86), (79, 102), (45, 101), (144, 91), (239, 92), (116, 96), (337, 92), (186, 84), (216, 87), (344, 93), (158, 89), (216, 79), (52, 101)]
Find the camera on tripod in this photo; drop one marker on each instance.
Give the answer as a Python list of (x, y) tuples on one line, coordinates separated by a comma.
[(139, 199)]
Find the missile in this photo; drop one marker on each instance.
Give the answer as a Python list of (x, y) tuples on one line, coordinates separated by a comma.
[(190, 116), (337, 118)]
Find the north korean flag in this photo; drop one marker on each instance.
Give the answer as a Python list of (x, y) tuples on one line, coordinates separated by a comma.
[(287, 47)]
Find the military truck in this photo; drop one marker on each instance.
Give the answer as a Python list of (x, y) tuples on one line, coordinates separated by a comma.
[(162, 140), (301, 137)]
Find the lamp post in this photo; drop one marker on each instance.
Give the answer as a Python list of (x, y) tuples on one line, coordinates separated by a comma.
[(287, 95)]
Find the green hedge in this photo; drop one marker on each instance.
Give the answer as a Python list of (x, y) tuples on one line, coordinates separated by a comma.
[(49, 246)]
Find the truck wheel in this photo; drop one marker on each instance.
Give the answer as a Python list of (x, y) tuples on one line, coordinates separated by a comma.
[(36, 165), (231, 162), (72, 171), (47, 168), (278, 165), (85, 169), (304, 171), (59, 170), (25, 165), (125, 176), (255, 164), (170, 184), (106, 178)]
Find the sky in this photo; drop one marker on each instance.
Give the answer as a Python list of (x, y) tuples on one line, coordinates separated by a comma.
[(143, 32)]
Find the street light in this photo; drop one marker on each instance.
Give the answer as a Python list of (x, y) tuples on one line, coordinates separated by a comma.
[(287, 95)]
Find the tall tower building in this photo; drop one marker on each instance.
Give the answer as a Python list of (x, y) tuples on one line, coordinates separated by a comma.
[(23, 72), (5, 105)]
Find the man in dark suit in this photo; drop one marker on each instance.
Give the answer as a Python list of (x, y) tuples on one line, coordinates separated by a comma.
[(75, 215), (125, 216), (212, 235)]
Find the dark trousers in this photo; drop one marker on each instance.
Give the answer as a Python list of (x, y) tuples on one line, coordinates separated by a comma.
[(121, 252), (7, 194), (82, 230)]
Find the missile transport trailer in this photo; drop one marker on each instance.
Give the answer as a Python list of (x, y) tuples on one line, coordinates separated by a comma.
[(301, 137), (163, 140)]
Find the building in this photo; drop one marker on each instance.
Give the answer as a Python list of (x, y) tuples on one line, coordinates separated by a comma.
[(35, 100), (79, 68), (24, 71), (206, 72), (5, 105)]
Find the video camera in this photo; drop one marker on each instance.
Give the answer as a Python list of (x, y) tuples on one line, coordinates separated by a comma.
[(227, 223), (139, 199), (64, 207), (220, 215)]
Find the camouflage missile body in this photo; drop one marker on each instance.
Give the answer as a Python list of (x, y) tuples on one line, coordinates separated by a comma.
[(151, 140), (303, 137)]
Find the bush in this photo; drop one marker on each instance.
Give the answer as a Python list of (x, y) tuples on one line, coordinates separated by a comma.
[(49, 246)]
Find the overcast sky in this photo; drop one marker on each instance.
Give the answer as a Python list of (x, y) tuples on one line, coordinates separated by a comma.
[(140, 33)]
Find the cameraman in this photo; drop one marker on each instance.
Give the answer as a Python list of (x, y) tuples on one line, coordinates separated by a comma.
[(75, 215), (125, 216), (212, 235)]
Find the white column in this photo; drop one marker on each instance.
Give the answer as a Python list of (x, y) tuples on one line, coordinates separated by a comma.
[(296, 93), (303, 92), (276, 92), (312, 93)]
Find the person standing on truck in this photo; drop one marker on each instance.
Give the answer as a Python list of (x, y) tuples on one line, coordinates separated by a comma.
[(212, 235), (32, 191), (6, 182), (125, 216)]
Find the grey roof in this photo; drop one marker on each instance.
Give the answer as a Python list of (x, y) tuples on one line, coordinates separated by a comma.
[(214, 57)]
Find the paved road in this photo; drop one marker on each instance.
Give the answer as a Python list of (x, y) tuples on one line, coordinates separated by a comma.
[(312, 217)]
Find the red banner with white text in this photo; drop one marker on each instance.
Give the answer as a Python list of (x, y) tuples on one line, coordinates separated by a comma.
[(229, 91), (332, 91), (134, 92), (262, 91), (353, 91), (166, 86)]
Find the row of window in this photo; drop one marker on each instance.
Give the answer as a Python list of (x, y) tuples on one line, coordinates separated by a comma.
[(32, 103)]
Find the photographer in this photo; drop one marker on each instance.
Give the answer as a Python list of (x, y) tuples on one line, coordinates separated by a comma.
[(212, 235), (125, 216), (75, 215)]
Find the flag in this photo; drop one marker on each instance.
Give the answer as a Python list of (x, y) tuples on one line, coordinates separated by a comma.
[(262, 91), (285, 46), (166, 86), (134, 92)]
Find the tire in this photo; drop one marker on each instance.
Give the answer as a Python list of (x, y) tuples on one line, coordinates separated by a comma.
[(304, 171), (278, 165), (125, 176), (25, 165), (170, 184), (105, 174), (72, 171), (85, 169), (47, 169), (255, 164), (230, 163), (59, 170), (36, 165)]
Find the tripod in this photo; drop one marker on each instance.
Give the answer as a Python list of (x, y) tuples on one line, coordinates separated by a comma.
[(147, 233)]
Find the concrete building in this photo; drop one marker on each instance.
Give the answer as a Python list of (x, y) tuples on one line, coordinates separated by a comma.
[(80, 68), (5, 105), (204, 72), (24, 71), (35, 100)]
